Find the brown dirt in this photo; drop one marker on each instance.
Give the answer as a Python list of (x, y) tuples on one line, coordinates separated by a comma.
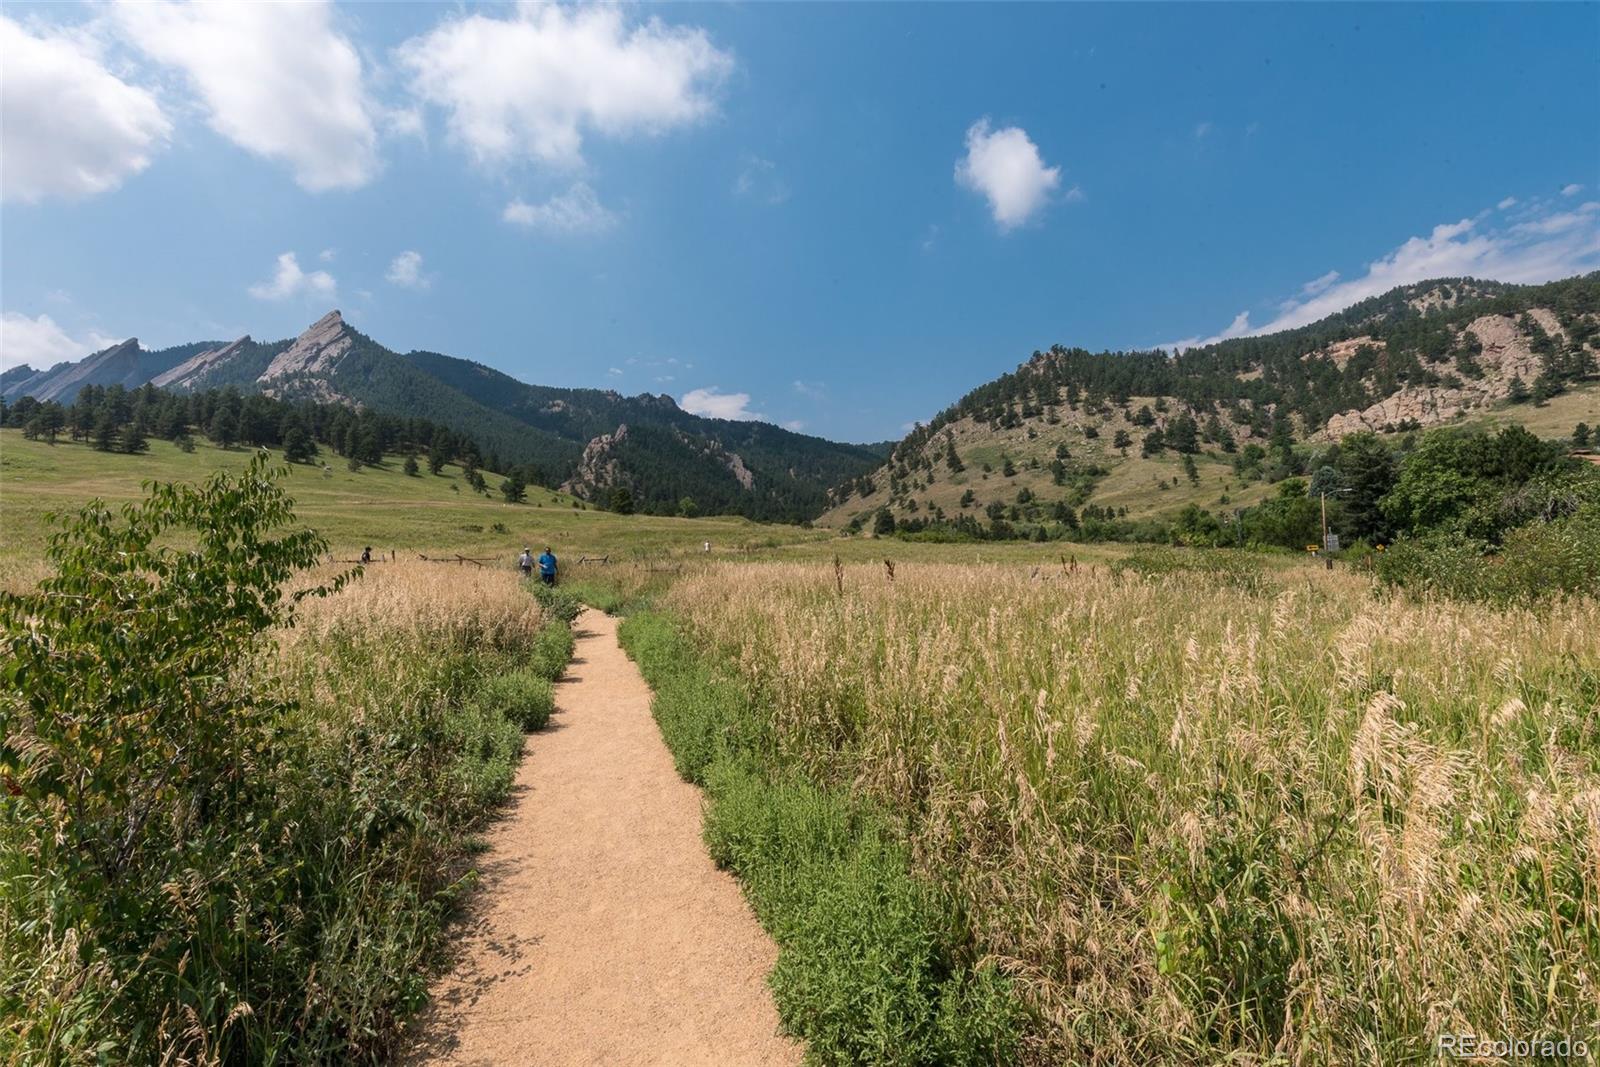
[(603, 933)]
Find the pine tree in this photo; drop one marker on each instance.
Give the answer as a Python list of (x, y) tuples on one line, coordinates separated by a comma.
[(105, 432), (133, 439), (1580, 435), (411, 467), (224, 428), (297, 446)]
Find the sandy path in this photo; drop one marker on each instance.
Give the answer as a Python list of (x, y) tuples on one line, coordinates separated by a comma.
[(603, 933)]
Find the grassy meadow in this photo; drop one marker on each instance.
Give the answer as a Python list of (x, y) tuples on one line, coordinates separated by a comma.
[(434, 515), (1205, 814)]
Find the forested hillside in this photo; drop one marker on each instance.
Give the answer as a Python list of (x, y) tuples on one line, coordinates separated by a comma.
[(629, 453), (1076, 438)]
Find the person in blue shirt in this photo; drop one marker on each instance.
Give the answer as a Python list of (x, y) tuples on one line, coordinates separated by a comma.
[(547, 567)]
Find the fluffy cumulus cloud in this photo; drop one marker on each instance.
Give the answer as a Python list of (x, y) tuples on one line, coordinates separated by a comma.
[(532, 85), (68, 126), (578, 210), (289, 280), (1006, 168), (1538, 243), (405, 270), (713, 403), (41, 344), (279, 80)]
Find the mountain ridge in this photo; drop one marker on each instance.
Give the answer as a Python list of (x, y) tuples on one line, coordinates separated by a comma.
[(658, 457), (1115, 431)]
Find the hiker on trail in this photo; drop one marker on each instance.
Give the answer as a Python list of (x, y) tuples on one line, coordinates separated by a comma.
[(547, 567), (525, 562), (366, 554)]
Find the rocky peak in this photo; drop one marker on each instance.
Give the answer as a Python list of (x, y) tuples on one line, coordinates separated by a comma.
[(596, 468), (187, 373), (316, 351)]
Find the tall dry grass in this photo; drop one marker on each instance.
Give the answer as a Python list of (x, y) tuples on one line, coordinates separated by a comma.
[(1200, 818), (431, 605)]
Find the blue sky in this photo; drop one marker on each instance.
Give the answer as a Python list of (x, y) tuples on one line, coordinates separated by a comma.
[(837, 217)]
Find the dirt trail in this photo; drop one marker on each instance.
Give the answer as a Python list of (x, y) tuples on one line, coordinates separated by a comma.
[(603, 933)]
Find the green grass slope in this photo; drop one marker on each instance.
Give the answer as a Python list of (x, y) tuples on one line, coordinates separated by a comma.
[(378, 506)]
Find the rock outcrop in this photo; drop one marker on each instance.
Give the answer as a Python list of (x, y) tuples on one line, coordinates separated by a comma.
[(188, 374), (597, 469), (316, 351), (1506, 355)]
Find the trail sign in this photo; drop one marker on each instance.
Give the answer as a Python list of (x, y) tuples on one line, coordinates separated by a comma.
[(1330, 542)]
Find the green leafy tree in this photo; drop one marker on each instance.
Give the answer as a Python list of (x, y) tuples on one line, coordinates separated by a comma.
[(620, 500), (883, 523), (687, 508), (136, 745)]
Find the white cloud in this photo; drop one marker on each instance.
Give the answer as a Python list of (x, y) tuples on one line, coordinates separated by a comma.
[(405, 270), (1508, 202), (68, 126), (1571, 190), (1546, 245), (713, 403), (615, 372), (759, 180), (578, 210), (1005, 166), (1239, 327), (533, 84), (41, 344), (795, 424), (278, 80), (327, 254), (1201, 129), (289, 280), (1317, 285), (811, 390)]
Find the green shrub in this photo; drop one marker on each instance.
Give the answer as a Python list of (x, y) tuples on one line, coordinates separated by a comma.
[(558, 603), (871, 966), (1536, 561), (203, 860), (552, 650), (523, 697)]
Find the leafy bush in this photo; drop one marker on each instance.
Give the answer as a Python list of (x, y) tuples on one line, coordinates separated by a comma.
[(1536, 562), (524, 697), (558, 603), (552, 650), (222, 840), (871, 965)]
